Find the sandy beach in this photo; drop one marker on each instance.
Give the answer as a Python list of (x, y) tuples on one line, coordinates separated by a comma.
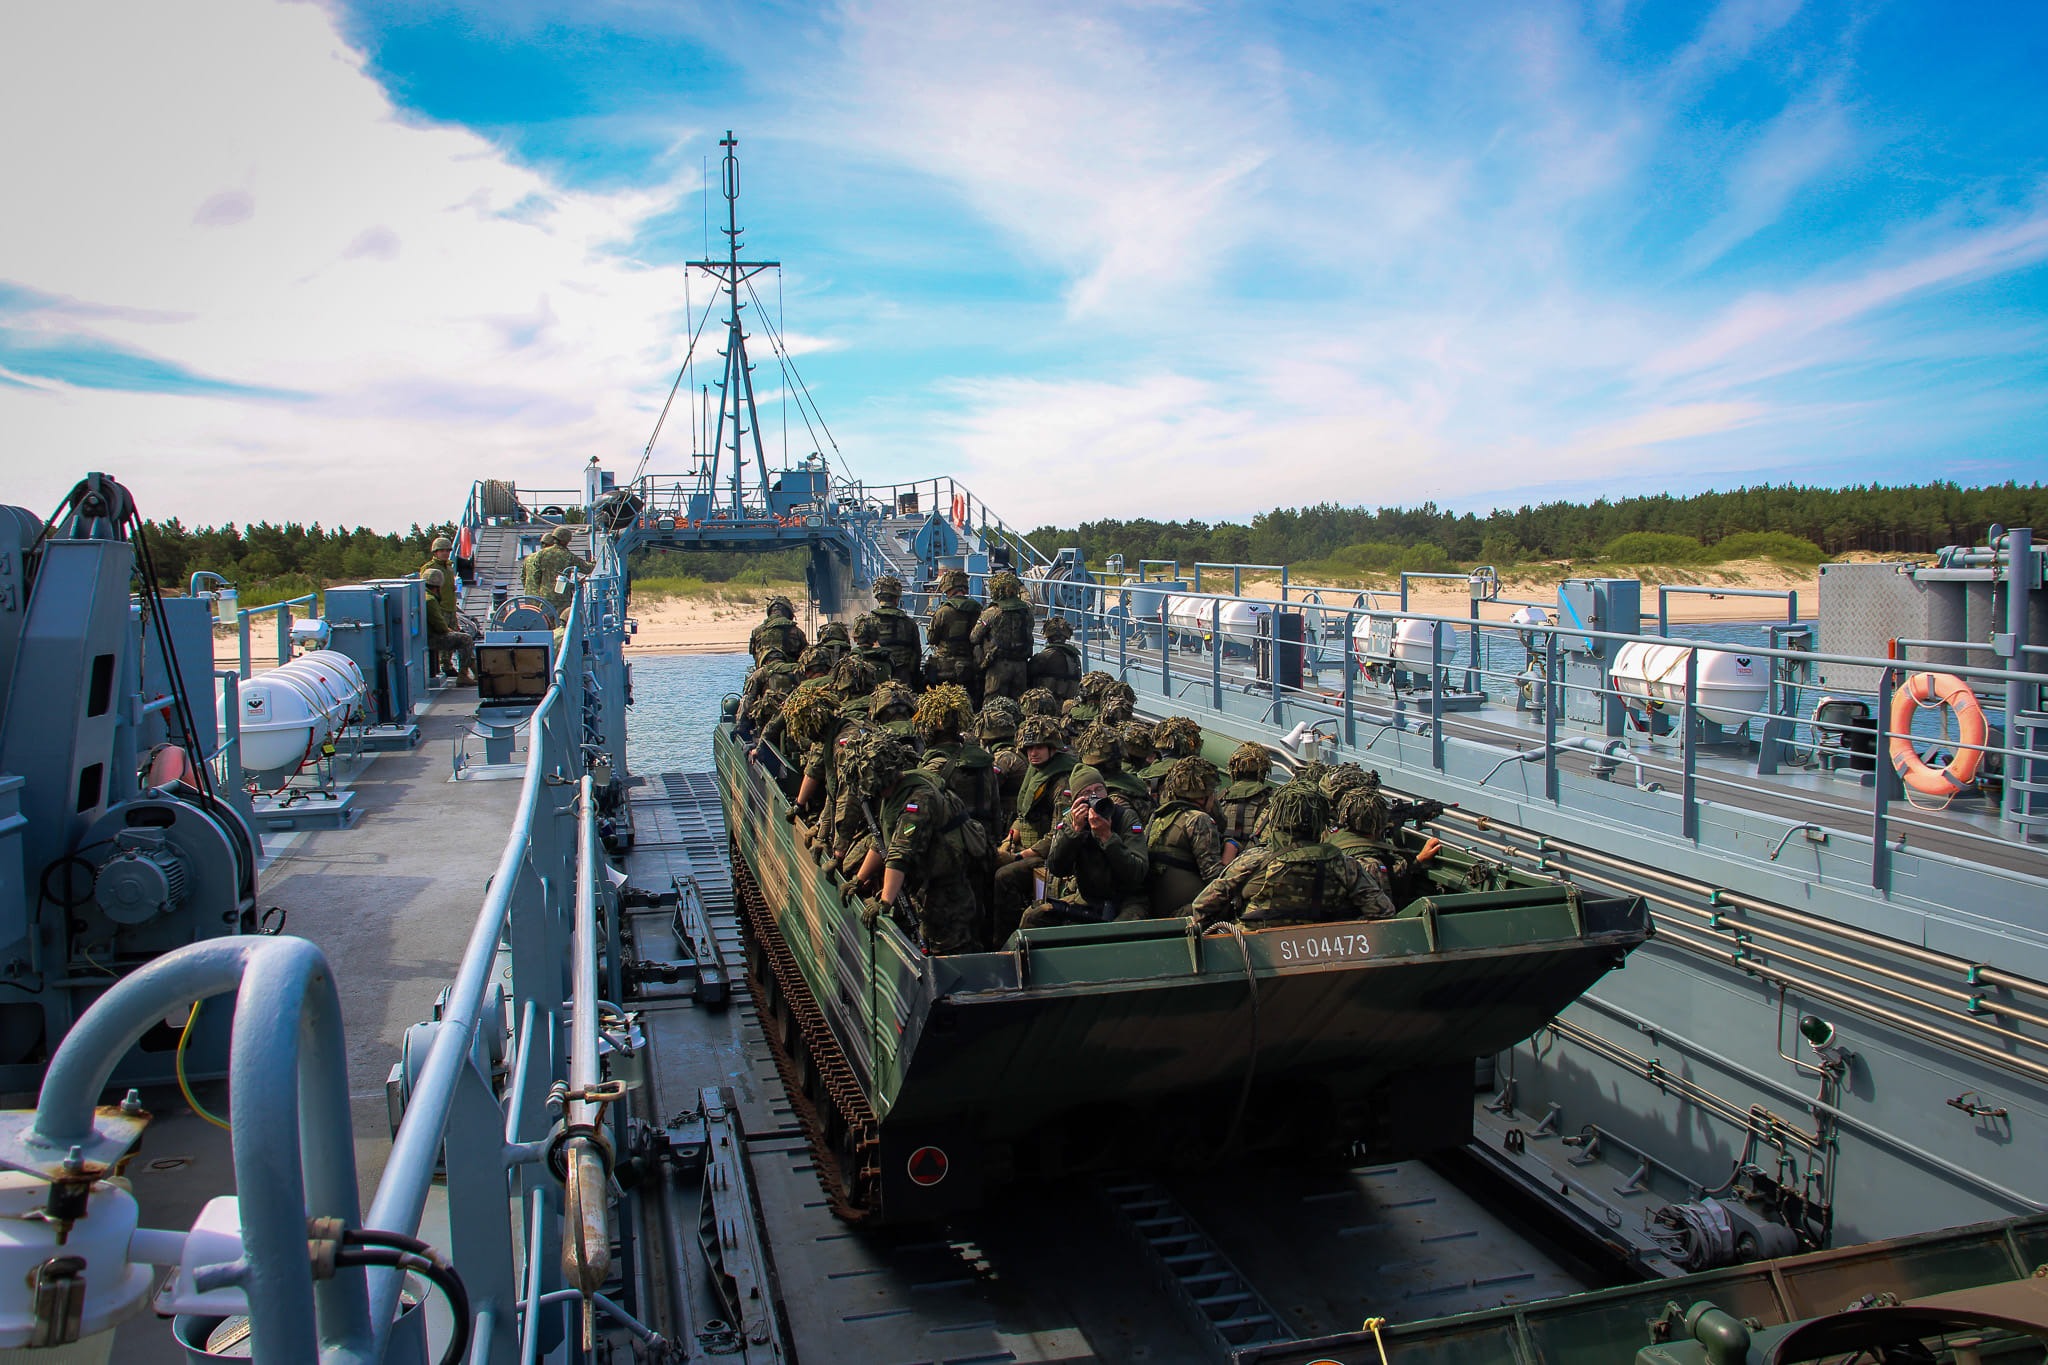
[(720, 623)]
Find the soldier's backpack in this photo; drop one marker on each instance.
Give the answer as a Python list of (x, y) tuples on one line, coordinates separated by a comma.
[(1295, 883), (897, 633), (1011, 631)]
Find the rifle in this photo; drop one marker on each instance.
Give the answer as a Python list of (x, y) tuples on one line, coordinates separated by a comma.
[(1400, 813)]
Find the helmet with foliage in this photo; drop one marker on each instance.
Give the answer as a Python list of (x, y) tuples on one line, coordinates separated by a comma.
[(888, 588), (943, 711), (1005, 584), (1189, 779), (1036, 730), (1250, 761), (1039, 701), (1310, 775), (1298, 814), (1138, 748), (834, 630), (1100, 746), (1177, 737), (953, 582), (999, 718), (814, 662), (1340, 779), (783, 605), (891, 700), (1058, 629), (809, 709), (853, 675), (1363, 811), (1119, 701), (866, 630), (877, 759), (1093, 683)]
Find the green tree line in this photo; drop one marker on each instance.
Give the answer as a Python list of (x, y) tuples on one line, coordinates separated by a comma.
[(266, 562), (1913, 519)]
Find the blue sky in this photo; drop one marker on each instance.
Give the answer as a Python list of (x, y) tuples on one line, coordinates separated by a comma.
[(1153, 258)]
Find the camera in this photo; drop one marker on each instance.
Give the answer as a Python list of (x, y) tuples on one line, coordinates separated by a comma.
[(1102, 806)]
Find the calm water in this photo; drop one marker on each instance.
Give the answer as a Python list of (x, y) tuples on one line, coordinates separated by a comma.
[(676, 702)]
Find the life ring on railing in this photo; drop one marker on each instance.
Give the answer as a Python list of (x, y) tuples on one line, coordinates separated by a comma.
[(465, 544), (1937, 689), (960, 510)]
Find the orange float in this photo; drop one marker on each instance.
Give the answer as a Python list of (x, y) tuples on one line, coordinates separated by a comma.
[(1937, 689)]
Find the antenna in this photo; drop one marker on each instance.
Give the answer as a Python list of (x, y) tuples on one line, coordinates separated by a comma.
[(739, 422)]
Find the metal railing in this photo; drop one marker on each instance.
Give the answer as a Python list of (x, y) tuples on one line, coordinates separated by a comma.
[(283, 611)]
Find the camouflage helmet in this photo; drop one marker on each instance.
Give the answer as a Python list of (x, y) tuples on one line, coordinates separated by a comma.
[(866, 630), (809, 709), (434, 578), (1250, 761), (878, 758), (442, 543), (1005, 584), (563, 536), (1057, 629), (1189, 779), (1036, 730), (834, 630), (891, 700), (1177, 737), (953, 582), (1093, 682), (1138, 747), (1341, 779), (814, 662), (1298, 813), (783, 605), (1363, 811), (1310, 774), (1119, 701), (852, 675), (1100, 746), (888, 588), (943, 710), (999, 718), (1039, 701)]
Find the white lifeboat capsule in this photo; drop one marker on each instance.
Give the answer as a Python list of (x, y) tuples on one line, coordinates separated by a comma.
[(1651, 677)]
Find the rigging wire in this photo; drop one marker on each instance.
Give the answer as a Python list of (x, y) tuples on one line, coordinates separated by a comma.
[(789, 367), (648, 453)]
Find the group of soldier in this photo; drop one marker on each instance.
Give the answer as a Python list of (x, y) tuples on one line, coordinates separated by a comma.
[(982, 787)]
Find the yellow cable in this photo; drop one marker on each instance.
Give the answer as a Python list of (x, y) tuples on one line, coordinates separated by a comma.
[(1373, 1326), (184, 1085)]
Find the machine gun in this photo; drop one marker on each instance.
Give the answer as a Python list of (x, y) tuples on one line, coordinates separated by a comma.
[(1404, 812)]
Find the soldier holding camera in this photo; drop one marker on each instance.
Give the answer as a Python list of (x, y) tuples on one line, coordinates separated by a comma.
[(1096, 862)]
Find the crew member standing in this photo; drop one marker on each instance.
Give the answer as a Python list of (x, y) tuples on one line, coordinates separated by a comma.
[(1002, 639)]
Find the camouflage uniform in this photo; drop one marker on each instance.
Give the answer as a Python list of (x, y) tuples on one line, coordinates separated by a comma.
[(1077, 714), (1102, 748), (1365, 830), (929, 837), (1173, 739), (964, 768), (952, 626), (833, 639), (761, 695), (1057, 667), (446, 593), (1295, 878), (1182, 842), (1002, 639), (996, 728), (867, 637), (538, 575), (778, 630), (444, 637), (1243, 802), (1091, 882), (896, 632), (1038, 791)]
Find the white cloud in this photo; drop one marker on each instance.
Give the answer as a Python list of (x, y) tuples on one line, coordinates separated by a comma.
[(224, 186)]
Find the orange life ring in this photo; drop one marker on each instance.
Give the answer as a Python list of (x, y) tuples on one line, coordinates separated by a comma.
[(1937, 689), (465, 547), (960, 510)]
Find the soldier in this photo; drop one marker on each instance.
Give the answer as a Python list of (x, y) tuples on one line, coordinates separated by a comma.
[(996, 728), (778, 630), (962, 766), (1038, 739), (891, 707), (1294, 877), (807, 723), (1343, 778), (443, 636), (1173, 739), (924, 861), (1001, 638), (854, 680), (1057, 667), (544, 568), (1094, 860), (952, 629), (1084, 709), (1102, 748), (1182, 842), (437, 559), (762, 693), (833, 639), (1039, 702), (867, 642), (1119, 703), (1365, 830), (1139, 752), (897, 632), (1241, 803)]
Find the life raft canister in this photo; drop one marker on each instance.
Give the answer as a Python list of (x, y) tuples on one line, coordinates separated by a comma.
[(1937, 689)]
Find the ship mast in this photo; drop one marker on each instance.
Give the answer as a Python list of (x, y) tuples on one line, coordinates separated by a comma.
[(738, 419)]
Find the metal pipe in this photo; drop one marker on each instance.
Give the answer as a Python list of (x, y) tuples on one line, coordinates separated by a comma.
[(2019, 583), (586, 1195)]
